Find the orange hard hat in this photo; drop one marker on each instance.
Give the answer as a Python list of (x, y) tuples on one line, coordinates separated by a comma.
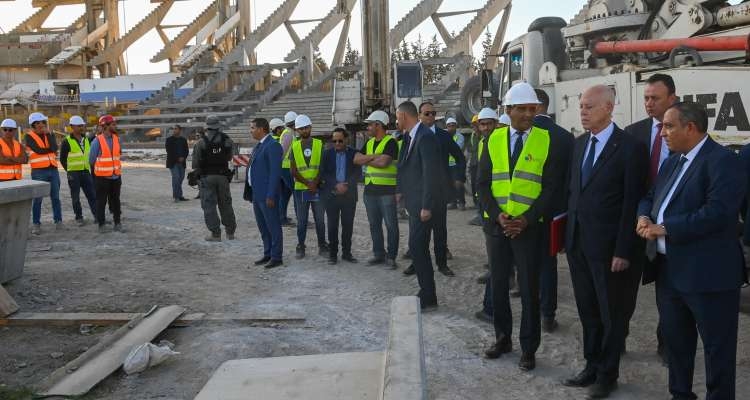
[(106, 119)]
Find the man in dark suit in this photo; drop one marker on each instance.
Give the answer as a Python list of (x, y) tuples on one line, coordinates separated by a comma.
[(607, 179), (339, 177), (520, 170), (262, 188), (690, 221), (177, 152), (418, 183), (659, 95), (548, 269)]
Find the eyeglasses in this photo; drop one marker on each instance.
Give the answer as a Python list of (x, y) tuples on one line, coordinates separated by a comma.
[(9, 129), (429, 113), (337, 141)]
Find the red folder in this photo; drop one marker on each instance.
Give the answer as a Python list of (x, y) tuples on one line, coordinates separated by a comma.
[(557, 234)]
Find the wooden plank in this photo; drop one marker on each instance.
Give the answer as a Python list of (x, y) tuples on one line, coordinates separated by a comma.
[(80, 375), (7, 305), (109, 319)]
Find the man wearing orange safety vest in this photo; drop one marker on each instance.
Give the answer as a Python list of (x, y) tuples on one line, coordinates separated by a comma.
[(104, 158), (12, 156), (41, 147)]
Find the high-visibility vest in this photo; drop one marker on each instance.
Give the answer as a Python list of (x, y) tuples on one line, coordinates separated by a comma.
[(515, 196), (10, 172), (108, 162), (78, 159), (308, 171), (37, 160), (451, 159), (285, 163), (480, 149), (380, 176)]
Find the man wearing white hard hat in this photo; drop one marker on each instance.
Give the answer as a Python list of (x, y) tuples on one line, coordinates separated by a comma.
[(379, 156), (520, 171), (286, 137), (458, 172), (41, 146), (12, 156), (305, 157), (74, 157)]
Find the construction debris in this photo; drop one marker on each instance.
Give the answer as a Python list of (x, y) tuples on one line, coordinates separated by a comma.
[(7, 305)]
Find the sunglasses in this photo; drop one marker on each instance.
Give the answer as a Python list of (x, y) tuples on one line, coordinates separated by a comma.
[(337, 141), (9, 129), (429, 113)]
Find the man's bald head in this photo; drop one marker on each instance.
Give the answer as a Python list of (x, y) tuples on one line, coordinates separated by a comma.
[(597, 104)]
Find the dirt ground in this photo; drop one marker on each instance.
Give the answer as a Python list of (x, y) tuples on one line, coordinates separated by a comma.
[(162, 259)]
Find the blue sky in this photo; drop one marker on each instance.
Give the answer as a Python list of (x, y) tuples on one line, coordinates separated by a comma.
[(139, 54)]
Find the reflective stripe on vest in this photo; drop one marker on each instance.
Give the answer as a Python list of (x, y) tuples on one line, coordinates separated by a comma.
[(451, 160), (480, 149), (108, 162), (37, 160), (285, 163), (78, 160), (380, 176), (307, 171), (515, 196), (10, 172)]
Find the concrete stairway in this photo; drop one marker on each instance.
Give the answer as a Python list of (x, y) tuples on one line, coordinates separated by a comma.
[(35, 20), (173, 49), (474, 29), (412, 19), (166, 93)]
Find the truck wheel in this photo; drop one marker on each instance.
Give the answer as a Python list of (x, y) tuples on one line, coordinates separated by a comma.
[(471, 97)]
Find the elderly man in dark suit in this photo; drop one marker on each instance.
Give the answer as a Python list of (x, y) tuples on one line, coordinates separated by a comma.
[(690, 221), (262, 188), (607, 179), (418, 183), (339, 177)]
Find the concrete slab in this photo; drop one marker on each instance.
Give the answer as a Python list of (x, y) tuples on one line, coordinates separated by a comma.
[(343, 376), (404, 377), (15, 211)]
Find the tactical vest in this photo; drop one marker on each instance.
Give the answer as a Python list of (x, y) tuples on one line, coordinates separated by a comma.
[(78, 159), (308, 171), (215, 156), (380, 176), (108, 162), (10, 172)]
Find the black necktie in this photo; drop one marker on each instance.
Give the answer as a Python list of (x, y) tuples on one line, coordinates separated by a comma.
[(517, 148), (588, 164)]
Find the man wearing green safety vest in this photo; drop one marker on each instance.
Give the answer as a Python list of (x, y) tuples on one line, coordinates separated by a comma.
[(286, 137), (520, 170), (74, 156), (305, 156), (379, 157)]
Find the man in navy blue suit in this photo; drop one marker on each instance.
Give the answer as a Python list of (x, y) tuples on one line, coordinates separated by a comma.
[(262, 188), (689, 219), (339, 177)]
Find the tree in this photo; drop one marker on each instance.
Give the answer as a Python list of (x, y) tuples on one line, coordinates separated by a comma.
[(418, 49), (351, 57), (320, 62), (405, 55), (481, 63), (433, 73)]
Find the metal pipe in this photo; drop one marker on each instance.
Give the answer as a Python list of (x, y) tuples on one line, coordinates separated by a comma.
[(720, 43), (734, 15)]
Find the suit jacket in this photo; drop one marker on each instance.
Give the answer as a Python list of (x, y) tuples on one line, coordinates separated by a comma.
[(265, 172), (745, 157), (554, 174), (603, 212), (448, 147), (328, 172), (417, 180), (565, 142), (641, 131), (703, 253)]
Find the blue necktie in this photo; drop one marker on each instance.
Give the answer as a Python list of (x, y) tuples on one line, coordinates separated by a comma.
[(517, 149), (588, 165)]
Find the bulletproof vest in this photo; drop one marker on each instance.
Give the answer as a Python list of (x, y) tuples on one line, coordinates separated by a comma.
[(215, 155)]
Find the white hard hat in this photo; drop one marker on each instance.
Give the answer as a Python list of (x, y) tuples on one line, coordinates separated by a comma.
[(505, 119), (76, 120), (487, 113), (451, 120), (9, 123), (379, 116), (36, 117), (302, 121), (521, 93), (275, 123), (289, 117)]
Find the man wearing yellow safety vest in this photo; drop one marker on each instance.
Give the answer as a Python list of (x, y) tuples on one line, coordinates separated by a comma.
[(104, 157), (379, 156), (520, 170), (286, 137), (305, 157), (12, 156), (42, 149), (74, 157)]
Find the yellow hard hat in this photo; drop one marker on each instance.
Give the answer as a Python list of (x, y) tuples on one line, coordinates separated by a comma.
[(475, 118)]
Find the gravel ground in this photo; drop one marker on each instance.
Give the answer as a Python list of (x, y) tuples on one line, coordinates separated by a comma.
[(162, 259)]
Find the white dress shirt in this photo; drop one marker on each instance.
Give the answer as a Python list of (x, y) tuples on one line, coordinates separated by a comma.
[(664, 149), (514, 137), (412, 135), (661, 243), (602, 139)]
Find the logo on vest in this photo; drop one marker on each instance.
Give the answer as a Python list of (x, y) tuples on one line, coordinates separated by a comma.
[(216, 150), (308, 152), (528, 157)]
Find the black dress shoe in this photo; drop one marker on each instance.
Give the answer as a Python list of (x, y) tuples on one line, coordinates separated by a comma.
[(349, 258), (182, 199), (527, 362), (446, 271), (428, 305), (549, 324), (601, 390), (410, 270), (300, 251), (375, 261), (501, 346), (483, 316), (262, 261), (274, 264), (585, 378)]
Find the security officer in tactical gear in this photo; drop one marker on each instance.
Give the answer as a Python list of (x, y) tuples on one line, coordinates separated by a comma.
[(211, 156)]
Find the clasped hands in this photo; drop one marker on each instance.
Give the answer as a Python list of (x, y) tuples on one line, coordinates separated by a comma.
[(649, 230), (512, 227)]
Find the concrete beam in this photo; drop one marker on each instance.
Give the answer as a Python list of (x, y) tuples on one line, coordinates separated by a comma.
[(499, 38), (173, 48), (404, 377), (341, 46), (15, 206), (471, 32), (326, 25), (442, 30), (35, 21), (412, 19)]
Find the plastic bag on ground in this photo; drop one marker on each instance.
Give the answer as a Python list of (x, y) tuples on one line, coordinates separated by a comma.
[(146, 355)]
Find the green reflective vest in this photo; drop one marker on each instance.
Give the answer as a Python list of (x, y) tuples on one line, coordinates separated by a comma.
[(78, 159), (516, 194), (451, 159), (285, 163), (380, 176), (307, 171)]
